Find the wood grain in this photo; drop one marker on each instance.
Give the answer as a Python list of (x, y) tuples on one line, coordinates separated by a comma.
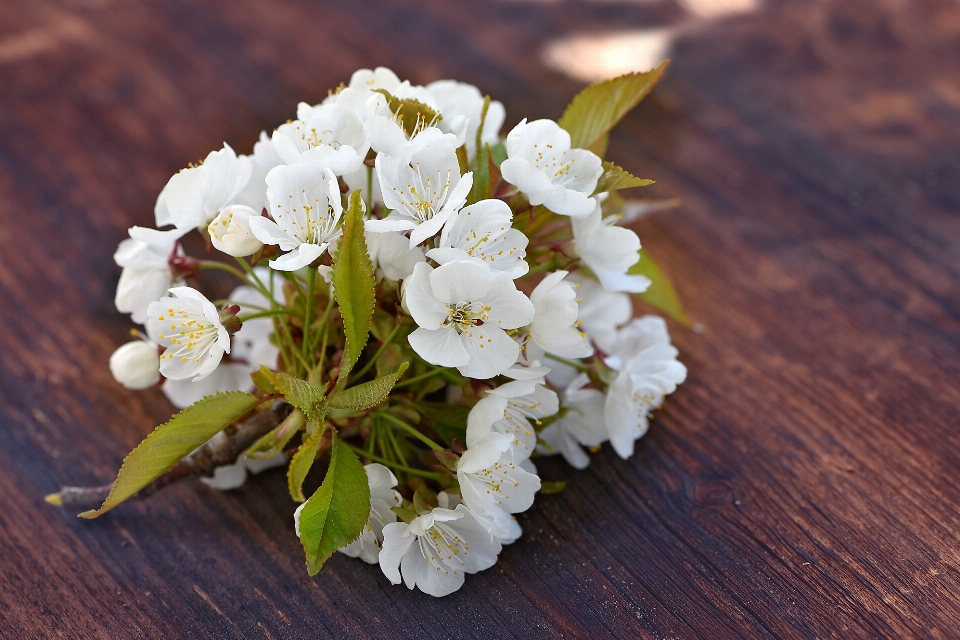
[(803, 481)]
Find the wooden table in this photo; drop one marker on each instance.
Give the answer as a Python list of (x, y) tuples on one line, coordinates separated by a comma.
[(803, 482)]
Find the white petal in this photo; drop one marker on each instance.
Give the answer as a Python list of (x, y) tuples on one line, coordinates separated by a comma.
[(442, 347), (393, 550), (458, 282), (299, 258), (490, 352)]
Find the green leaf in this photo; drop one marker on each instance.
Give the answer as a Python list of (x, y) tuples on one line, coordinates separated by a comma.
[(337, 512), (552, 486), (354, 285), (412, 115), (172, 441), (615, 178), (263, 378), (303, 460), (448, 420), (303, 395), (661, 293), (368, 394), (274, 442), (597, 109)]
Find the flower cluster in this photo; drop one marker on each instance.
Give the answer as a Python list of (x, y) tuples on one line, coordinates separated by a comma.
[(429, 305)]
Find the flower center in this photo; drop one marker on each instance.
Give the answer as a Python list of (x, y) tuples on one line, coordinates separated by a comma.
[(464, 315), (190, 337)]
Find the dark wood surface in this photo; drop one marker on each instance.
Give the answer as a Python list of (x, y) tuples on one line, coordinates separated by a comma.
[(802, 483)]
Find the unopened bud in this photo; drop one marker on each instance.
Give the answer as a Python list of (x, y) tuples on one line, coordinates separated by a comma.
[(230, 231), (229, 319), (183, 266), (136, 365)]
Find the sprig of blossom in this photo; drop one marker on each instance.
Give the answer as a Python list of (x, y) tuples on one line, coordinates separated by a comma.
[(420, 302)]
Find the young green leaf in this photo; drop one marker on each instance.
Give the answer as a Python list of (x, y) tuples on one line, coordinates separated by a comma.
[(615, 178), (173, 440), (411, 114), (597, 109), (661, 293), (337, 512), (353, 285), (366, 395), (263, 378), (274, 442), (303, 395), (303, 460)]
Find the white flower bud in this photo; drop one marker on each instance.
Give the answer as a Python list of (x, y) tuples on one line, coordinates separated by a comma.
[(230, 231), (136, 365)]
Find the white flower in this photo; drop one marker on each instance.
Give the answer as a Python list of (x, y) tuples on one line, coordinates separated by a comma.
[(492, 484), (461, 100), (391, 251), (146, 276), (463, 310), (194, 197), (136, 365), (423, 195), (582, 423), (189, 326), (326, 136), (230, 231), (555, 324), (508, 409), (435, 550), (542, 165), (264, 158), (601, 312), (382, 499), (482, 232), (388, 136), (305, 206), (649, 370), (362, 85), (609, 251)]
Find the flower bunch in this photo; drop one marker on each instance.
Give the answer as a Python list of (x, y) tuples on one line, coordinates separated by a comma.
[(422, 308)]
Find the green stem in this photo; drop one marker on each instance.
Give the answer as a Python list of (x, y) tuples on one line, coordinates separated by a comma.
[(410, 429), (579, 366), (308, 311), (372, 361), (541, 267), (267, 314), (219, 266), (417, 379), (433, 475)]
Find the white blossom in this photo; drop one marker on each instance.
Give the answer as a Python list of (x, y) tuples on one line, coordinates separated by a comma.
[(581, 425), (391, 251), (189, 327), (422, 195), (382, 499), (458, 100), (136, 365), (230, 231), (305, 207), (609, 251), (463, 310), (437, 549), (554, 328), (362, 84), (601, 312), (483, 232), (648, 370), (541, 164), (388, 136), (492, 484), (327, 136), (146, 276), (194, 196), (509, 409)]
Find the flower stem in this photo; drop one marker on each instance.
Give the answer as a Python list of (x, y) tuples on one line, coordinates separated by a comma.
[(433, 475), (417, 379), (307, 338), (410, 429), (579, 366), (376, 356), (219, 266)]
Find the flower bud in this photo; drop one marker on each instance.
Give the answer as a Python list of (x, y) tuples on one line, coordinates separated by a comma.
[(136, 365), (230, 231)]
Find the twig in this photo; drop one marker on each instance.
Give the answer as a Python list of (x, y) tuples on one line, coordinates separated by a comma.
[(202, 462)]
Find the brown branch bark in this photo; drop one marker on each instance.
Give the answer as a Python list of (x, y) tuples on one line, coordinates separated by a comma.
[(219, 451)]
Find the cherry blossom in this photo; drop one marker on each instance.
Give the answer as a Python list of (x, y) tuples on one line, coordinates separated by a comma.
[(189, 327)]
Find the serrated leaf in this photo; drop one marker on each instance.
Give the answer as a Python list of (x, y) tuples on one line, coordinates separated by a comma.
[(337, 512), (303, 460), (303, 395), (263, 378), (275, 441), (411, 114), (597, 109), (172, 441), (368, 394), (615, 178), (354, 285), (661, 293)]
